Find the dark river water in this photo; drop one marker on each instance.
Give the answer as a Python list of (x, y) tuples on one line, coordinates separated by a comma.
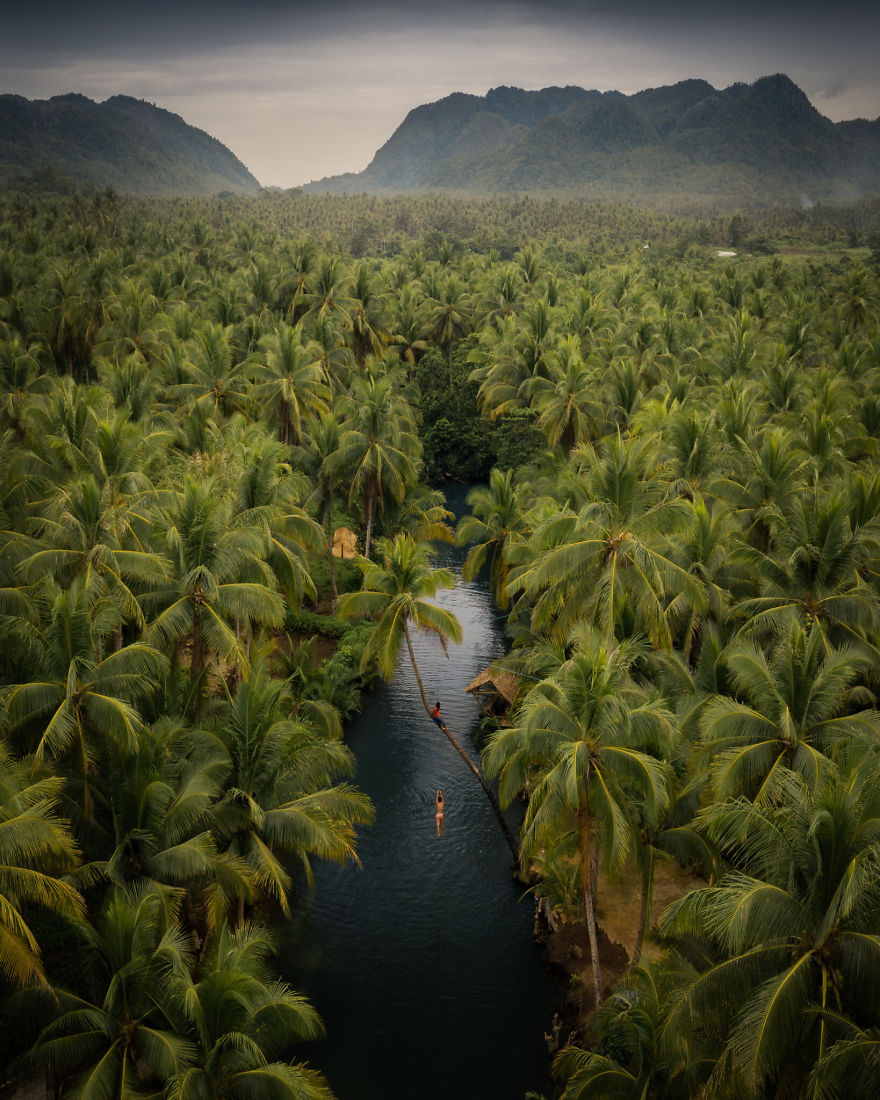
[(421, 961)]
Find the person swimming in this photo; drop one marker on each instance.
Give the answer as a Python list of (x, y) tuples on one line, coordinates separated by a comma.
[(439, 804)]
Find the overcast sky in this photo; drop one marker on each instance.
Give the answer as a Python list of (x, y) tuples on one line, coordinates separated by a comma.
[(300, 91)]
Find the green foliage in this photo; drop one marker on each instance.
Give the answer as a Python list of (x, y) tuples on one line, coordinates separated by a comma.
[(123, 143), (681, 454)]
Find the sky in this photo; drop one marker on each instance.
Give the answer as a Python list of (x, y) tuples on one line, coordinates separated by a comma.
[(300, 90)]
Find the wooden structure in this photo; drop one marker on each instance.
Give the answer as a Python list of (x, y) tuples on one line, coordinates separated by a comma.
[(494, 690)]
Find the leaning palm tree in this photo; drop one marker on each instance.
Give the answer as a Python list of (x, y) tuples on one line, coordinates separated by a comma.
[(35, 847), (397, 593), (584, 747)]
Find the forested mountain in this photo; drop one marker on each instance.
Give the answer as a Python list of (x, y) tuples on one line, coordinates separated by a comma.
[(128, 144), (761, 143)]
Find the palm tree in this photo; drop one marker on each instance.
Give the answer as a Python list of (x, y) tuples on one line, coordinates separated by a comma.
[(495, 519), (316, 457), (125, 1036), (577, 748), (376, 453), (216, 379), (566, 399), (368, 334), (21, 378), (450, 317), (790, 936), (35, 847), (243, 1020), (219, 578), (80, 707), (584, 564), (291, 376), (816, 571), (86, 528), (268, 498), (159, 801), (281, 797), (632, 1058), (409, 327), (793, 711), (397, 593)]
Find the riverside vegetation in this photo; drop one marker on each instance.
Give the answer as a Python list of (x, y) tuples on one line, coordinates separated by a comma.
[(681, 516)]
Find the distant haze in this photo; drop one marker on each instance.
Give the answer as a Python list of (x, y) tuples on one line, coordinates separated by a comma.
[(299, 92)]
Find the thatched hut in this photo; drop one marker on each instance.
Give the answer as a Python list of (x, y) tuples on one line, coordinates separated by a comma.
[(495, 690), (344, 543)]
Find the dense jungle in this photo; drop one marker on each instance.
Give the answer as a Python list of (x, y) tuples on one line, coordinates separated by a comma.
[(671, 425)]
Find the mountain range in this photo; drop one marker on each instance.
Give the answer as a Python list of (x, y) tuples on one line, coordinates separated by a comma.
[(70, 141), (760, 143)]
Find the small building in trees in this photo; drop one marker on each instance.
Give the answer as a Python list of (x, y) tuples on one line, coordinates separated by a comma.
[(494, 690)]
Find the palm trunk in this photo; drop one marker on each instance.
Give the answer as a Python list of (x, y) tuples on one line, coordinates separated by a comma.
[(647, 890), (369, 507), (490, 794), (590, 875), (332, 563)]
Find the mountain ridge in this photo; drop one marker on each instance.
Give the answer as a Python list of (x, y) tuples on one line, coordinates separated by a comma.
[(125, 143), (762, 142)]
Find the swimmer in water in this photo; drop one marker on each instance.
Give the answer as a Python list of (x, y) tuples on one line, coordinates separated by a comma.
[(439, 814)]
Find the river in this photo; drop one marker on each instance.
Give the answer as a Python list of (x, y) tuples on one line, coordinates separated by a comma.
[(421, 961)]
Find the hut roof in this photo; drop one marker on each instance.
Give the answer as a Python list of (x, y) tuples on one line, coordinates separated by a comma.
[(494, 679), (344, 543)]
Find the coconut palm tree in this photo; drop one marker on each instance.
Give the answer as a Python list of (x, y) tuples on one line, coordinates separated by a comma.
[(816, 571), (267, 497), (396, 592), (281, 799), (584, 564), (793, 711), (632, 1058), (219, 578), (495, 519), (122, 1039), (790, 935), (378, 448), (21, 379), (566, 400), (79, 708), (87, 527), (291, 377), (451, 315), (316, 458), (243, 1021), (35, 848), (578, 748)]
